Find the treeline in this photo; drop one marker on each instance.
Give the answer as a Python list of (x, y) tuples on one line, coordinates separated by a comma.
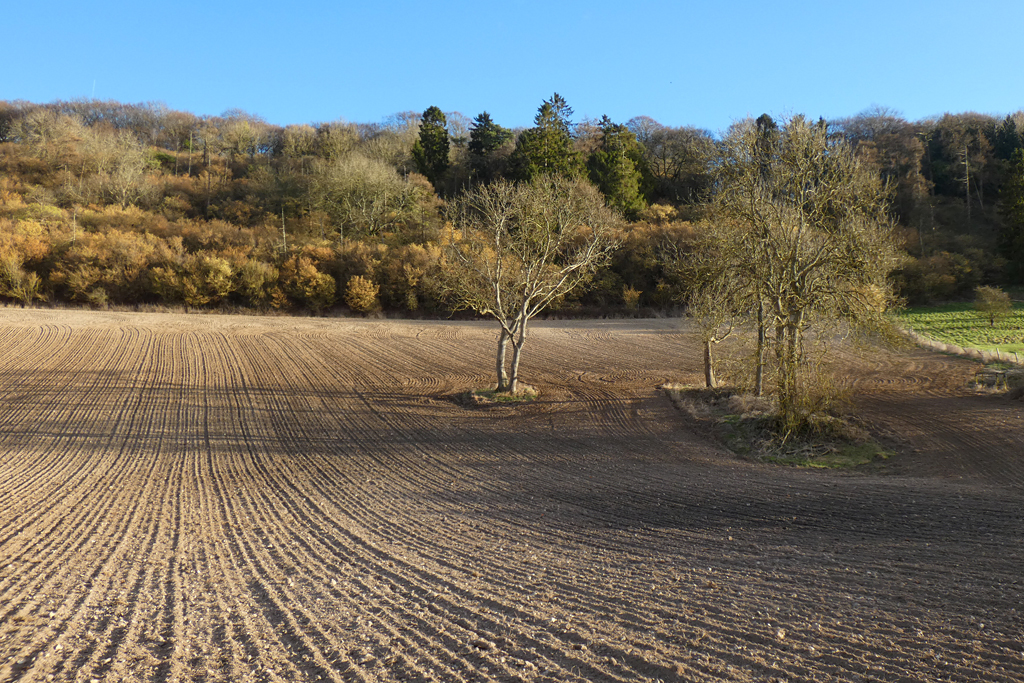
[(104, 202)]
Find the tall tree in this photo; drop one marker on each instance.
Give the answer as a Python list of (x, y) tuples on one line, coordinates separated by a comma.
[(431, 148), (1007, 138), (518, 248), (615, 168), (961, 161), (485, 139), (644, 128), (547, 148)]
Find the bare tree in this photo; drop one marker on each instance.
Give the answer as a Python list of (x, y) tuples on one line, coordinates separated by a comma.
[(715, 321), (679, 159), (517, 249), (717, 285), (125, 183), (362, 196), (179, 128)]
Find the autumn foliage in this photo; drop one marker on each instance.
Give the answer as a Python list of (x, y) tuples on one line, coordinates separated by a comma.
[(111, 204)]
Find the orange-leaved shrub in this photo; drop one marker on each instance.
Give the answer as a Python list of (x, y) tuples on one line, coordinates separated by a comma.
[(361, 294)]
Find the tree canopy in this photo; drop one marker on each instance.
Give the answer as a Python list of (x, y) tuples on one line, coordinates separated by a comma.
[(485, 139)]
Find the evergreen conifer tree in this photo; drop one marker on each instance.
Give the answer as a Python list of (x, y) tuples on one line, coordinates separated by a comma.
[(548, 147), (1007, 139), (615, 168), (485, 138), (430, 151)]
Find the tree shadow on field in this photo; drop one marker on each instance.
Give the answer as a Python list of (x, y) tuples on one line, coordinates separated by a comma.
[(581, 478), (663, 496)]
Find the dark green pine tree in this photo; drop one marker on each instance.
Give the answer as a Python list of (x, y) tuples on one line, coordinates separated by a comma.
[(548, 147), (1007, 139), (430, 151), (615, 169), (486, 138), (766, 146), (1011, 238)]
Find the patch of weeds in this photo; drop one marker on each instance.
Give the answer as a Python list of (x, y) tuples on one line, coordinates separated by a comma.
[(826, 455), (488, 397), (748, 426)]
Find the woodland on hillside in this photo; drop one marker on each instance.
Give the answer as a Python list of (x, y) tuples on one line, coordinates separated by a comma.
[(104, 203)]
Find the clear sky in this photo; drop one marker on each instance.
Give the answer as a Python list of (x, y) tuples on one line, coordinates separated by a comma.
[(703, 64)]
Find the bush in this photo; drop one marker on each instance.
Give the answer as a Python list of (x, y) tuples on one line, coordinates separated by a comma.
[(81, 281), (97, 298), (199, 279), (258, 283), (16, 282), (206, 279), (940, 277), (311, 287), (631, 297), (402, 273), (361, 294)]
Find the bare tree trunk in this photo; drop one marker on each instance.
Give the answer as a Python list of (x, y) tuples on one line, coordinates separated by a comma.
[(788, 368), (284, 233), (759, 360), (517, 354), (782, 379), (709, 367), (967, 185), (503, 338)]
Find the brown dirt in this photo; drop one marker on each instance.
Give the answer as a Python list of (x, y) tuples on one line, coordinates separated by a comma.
[(207, 498)]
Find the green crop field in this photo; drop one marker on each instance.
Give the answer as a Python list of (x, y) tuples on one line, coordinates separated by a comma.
[(960, 324)]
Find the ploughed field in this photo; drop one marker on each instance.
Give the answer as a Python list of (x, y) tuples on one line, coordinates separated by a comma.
[(217, 498)]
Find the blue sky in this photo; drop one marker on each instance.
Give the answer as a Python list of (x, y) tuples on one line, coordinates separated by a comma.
[(704, 64)]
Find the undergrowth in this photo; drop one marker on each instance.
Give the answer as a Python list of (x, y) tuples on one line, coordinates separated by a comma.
[(749, 426), (485, 397)]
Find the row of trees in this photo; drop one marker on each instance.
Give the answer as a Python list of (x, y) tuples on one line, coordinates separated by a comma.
[(957, 155), (670, 164), (942, 174)]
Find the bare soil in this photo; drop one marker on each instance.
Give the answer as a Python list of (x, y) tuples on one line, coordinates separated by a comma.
[(215, 498)]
